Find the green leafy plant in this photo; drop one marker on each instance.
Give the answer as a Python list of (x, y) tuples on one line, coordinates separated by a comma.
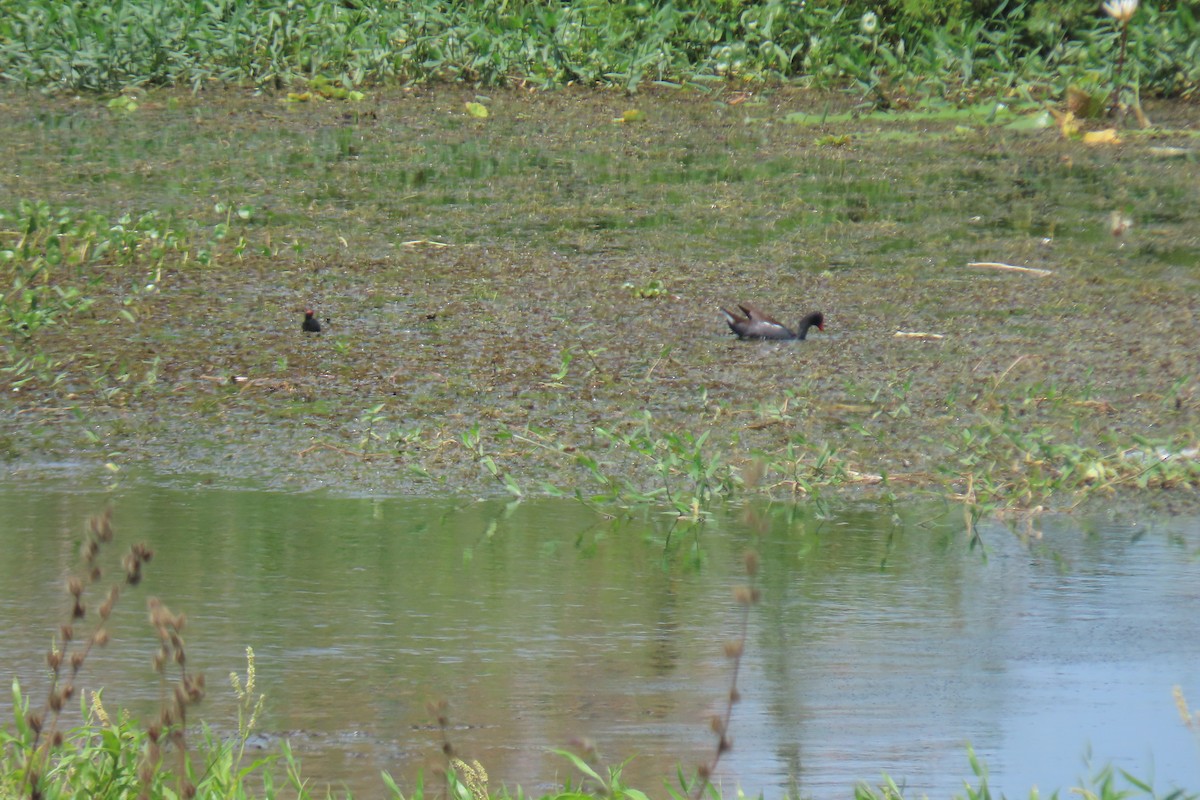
[(334, 49)]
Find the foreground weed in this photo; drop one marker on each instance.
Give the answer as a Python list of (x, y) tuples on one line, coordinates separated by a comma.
[(609, 786), (40, 733), (747, 597), (49, 761), (225, 769)]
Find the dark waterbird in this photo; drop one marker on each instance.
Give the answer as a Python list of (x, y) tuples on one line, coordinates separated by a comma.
[(757, 325), (311, 324)]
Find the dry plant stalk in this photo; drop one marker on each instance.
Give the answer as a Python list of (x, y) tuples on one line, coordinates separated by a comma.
[(66, 663), (69, 652), (1010, 268), (171, 726), (746, 596)]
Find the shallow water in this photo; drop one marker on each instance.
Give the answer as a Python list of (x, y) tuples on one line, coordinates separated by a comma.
[(881, 645)]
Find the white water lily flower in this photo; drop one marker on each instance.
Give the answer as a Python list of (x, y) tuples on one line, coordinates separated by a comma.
[(870, 23), (1121, 10)]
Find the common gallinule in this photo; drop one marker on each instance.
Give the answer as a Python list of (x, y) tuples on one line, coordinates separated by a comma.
[(311, 324), (757, 325)]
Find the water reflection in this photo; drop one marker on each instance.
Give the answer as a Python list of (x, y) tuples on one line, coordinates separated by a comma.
[(881, 646)]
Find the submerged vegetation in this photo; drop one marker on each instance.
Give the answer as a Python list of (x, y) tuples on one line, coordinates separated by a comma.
[(520, 288), (528, 300)]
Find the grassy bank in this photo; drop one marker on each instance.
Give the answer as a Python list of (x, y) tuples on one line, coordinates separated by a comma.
[(893, 51)]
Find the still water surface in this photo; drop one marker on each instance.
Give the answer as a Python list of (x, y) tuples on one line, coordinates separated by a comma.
[(880, 646)]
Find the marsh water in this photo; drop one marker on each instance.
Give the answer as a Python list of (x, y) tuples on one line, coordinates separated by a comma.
[(884, 643)]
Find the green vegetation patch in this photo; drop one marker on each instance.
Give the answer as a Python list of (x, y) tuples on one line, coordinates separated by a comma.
[(528, 301)]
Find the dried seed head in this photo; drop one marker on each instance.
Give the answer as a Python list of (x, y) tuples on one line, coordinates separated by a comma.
[(100, 637), (55, 702), (54, 659), (704, 771), (734, 695), (79, 611), (57, 739), (133, 573), (77, 660), (189, 791), (66, 633), (741, 594), (101, 525), (751, 560), (75, 586), (96, 574), (725, 745), (194, 684), (34, 721), (448, 749), (716, 724), (734, 649)]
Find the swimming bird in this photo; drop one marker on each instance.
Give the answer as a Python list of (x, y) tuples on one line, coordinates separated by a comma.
[(757, 325), (311, 324)]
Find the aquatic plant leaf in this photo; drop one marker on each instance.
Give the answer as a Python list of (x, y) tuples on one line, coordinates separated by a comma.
[(1032, 122), (1068, 125), (1106, 136), (123, 103)]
